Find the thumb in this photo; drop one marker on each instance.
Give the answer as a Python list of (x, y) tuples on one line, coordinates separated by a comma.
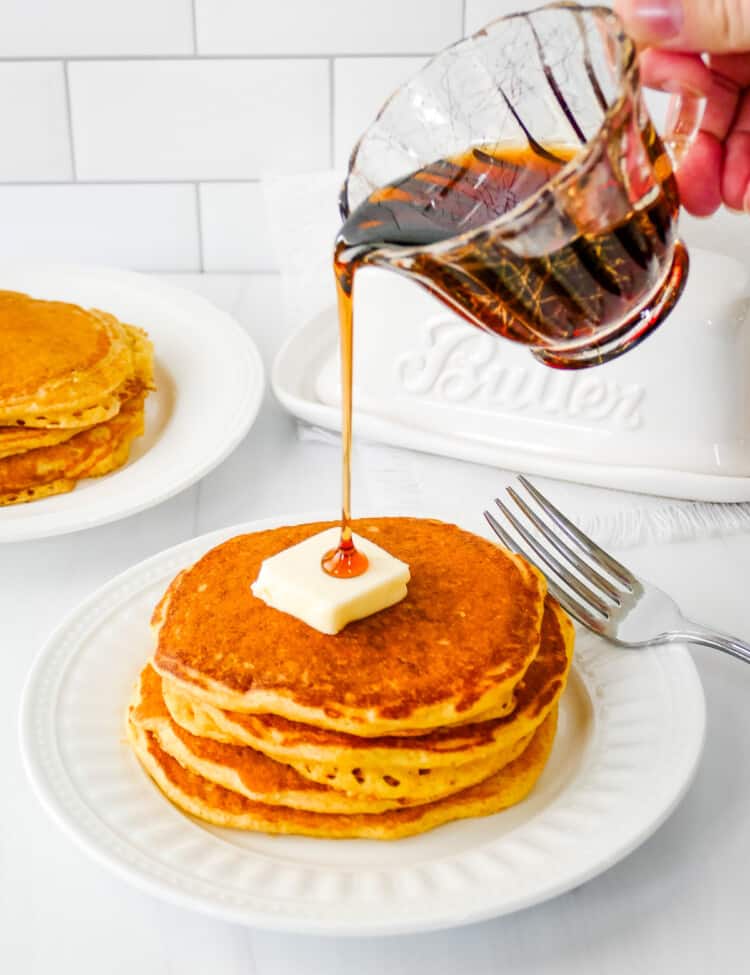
[(715, 26)]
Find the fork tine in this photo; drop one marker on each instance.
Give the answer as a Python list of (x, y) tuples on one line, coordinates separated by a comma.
[(566, 601), (586, 570), (575, 609), (508, 541), (553, 565), (583, 541)]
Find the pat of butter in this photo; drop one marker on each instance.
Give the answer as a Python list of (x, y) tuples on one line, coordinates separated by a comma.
[(294, 582)]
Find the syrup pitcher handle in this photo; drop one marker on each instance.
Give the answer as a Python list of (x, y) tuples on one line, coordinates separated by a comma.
[(683, 119), (684, 116)]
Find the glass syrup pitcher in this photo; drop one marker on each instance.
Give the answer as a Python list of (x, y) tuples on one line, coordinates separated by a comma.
[(520, 179)]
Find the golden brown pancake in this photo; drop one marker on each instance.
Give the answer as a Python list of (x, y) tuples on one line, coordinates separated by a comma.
[(35, 493), (453, 648), (236, 767), (19, 439), (391, 766), (141, 378), (53, 470), (196, 795), (254, 775), (61, 364)]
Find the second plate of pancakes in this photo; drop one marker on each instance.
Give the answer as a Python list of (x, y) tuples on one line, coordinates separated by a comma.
[(629, 735), (209, 383)]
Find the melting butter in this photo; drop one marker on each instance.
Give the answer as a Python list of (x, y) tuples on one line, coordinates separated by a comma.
[(294, 582)]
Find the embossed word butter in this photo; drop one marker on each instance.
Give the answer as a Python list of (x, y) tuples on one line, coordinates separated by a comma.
[(294, 582), (454, 365)]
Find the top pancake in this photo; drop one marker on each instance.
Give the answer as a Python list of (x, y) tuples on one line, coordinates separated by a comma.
[(288, 741), (453, 648), (61, 364)]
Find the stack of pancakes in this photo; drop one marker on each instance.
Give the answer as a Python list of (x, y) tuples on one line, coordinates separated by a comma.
[(441, 707), (72, 387)]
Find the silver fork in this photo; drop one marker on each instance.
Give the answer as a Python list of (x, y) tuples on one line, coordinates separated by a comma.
[(596, 589)]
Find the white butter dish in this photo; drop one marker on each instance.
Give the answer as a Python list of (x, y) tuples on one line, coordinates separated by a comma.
[(671, 417)]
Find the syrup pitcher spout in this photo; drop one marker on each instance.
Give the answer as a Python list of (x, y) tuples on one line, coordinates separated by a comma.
[(519, 178)]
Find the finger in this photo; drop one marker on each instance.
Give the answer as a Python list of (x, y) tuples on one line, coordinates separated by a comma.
[(721, 106), (733, 67), (719, 26), (678, 73), (735, 183), (686, 74), (699, 176)]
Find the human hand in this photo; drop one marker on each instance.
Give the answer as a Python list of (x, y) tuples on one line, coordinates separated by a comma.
[(716, 168)]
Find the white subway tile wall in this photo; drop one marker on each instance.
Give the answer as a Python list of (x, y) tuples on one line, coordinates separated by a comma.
[(340, 26), (361, 86), (147, 227), (95, 28), (481, 12), (199, 119), (234, 228), (35, 144), (147, 124)]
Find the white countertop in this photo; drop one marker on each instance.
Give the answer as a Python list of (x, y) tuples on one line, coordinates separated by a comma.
[(676, 904)]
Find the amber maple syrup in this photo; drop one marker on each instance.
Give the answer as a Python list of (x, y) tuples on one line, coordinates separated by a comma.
[(345, 561), (558, 297)]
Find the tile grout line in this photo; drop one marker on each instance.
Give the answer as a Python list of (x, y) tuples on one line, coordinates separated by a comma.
[(199, 225), (178, 271), (195, 25), (463, 17), (130, 181), (332, 110), (219, 272), (207, 56), (69, 113)]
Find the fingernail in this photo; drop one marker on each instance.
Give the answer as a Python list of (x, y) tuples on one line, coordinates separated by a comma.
[(655, 20)]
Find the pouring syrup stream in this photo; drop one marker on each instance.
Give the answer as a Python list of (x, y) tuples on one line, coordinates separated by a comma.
[(345, 561)]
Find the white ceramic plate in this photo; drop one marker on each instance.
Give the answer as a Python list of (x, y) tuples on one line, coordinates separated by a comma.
[(310, 357), (209, 379), (630, 735)]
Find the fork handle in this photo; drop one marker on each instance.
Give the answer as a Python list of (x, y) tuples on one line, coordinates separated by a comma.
[(703, 637)]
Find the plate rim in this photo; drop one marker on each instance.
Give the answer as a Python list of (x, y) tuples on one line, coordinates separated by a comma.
[(692, 703), (233, 433), (660, 482)]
